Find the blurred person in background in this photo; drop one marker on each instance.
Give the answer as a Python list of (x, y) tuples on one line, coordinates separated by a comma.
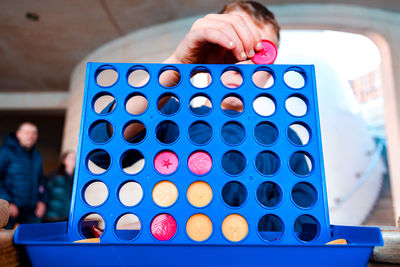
[(59, 189), (22, 180)]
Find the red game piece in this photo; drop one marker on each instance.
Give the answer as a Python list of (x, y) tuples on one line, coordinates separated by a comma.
[(200, 162), (163, 227), (166, 162), (267, 55), (96, 231)]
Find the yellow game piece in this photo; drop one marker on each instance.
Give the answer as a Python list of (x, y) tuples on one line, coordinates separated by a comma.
[(199, 227), (199, 194), (337, 242), (165, 193), (88, 240), (235, 227)]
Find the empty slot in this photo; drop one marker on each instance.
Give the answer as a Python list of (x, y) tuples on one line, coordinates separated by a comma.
[(106, 76), (200, 77), (128, 227), (130, 193), (100, 131), (168, 104), (199, 227), (263, 78), (266, 133), (234, 194), (296, 105), (295, 79), (163, 227), (232, 105), (199, 194), (92, 226), (98, 161), (235, 227), (306, 228), (267, 163), (233, 162), (132, 161), (200, 132), (299, 134), (264, 105), (169, 77), (200, 104), (136, 104), (269, 194), (233, 133), (165, 194), (270, 227), (167, 132), (301, 163), (232, 78), (134, 132), (304, 195), (138, 77), (95, 193), (103, 104)]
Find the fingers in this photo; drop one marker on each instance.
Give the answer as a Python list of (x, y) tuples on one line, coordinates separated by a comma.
[(246, 30)]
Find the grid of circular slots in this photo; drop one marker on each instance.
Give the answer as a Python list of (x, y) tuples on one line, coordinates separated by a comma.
[(199, 226)]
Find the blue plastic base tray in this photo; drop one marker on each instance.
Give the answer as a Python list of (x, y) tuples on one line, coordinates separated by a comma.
[(49, 245)]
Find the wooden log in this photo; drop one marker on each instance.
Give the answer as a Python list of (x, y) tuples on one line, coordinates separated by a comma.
[(4, 213)]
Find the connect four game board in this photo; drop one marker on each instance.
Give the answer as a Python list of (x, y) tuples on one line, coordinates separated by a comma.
[(189, 165), (234, 158)]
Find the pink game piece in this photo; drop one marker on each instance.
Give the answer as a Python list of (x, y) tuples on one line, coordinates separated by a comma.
[(200, 162), (163, 227), (267, 55), (166, 162)]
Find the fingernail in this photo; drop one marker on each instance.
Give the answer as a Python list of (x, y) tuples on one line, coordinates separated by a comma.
[(259, 46), (231, 44), (243, 55), (251, 53)]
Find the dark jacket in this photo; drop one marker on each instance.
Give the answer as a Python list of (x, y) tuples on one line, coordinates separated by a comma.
[(22, 180), (59, 190)]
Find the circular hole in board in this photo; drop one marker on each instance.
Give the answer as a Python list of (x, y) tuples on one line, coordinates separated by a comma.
[(103, 103), (233, 162), (301, 163), (138, 76), (98, 161), (128, 227), (233, 133), (232, 78), (106, 76), (200, 104), (100, 131), (266, 133), (95, 193), (299, 133), (169, 77), (92, 226), (263, 78), (264, 105), (304, 195), (232, 105), (136, 104), (168, 104), (200, 132), (200, 77), (269, 194), (295, 78), (296, 105), (270, 228), (306, 228), (167, 132), (234, 194), (132, 161), (130, 193), (267, 162), (134, 132)]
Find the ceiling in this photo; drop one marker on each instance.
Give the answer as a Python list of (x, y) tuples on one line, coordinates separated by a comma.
[(41, 41)]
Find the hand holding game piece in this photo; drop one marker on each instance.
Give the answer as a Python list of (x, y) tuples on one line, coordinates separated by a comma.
[(267, 55)]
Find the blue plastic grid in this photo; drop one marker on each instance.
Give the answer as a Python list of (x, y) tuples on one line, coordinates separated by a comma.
[(183, 147)]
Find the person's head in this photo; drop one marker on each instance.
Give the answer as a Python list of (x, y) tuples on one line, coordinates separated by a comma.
[(261, 15), (27, 134), (67, 162)]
